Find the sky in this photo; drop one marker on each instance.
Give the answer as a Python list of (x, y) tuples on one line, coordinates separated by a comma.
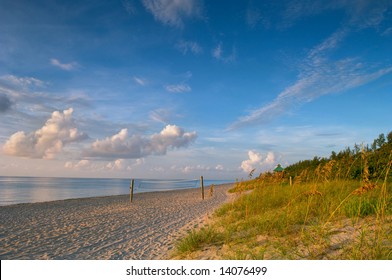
[(184, 88)]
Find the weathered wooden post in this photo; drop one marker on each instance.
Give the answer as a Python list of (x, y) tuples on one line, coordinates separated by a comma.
[(291, 181), (131, 190), (202, 187)]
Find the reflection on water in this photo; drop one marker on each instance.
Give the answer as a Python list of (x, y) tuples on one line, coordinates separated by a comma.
[(14, 190)]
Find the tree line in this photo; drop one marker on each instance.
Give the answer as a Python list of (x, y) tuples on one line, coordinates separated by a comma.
[(351, 163)]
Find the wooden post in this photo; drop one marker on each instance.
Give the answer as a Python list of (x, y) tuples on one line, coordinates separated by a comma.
[(291, 181), (202, 187), (131, 190)]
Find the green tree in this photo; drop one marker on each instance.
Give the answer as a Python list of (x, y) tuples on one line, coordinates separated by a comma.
[(374, 145), (389, 137), (380, 140)]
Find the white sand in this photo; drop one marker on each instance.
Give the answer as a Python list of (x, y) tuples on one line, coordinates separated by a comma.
[(104, 227)]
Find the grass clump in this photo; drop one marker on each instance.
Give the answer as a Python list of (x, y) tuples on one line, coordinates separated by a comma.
[(196, 239), (359, 206)]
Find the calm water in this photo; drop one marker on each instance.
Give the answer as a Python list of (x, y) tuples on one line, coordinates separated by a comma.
[(14, 190)]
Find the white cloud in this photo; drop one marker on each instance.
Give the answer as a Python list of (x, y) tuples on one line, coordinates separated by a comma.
[(173, 12), (115, 165), (387, 32), (21, 82), (319, 51), (198, 168), (219, 167), (318, 76), (121, 145), (255, 160), (189, 46), (270, 159), (359, 13), (140, 81), (251, 163), (161, 115), (138, 162), (179, 88), (64, 66), (129, 7), (82, 164), (28, 96), (47, 141), (97, 166), (218, 54)]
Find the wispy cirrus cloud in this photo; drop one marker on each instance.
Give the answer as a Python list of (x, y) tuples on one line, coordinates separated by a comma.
[(129, 6), (64, 66), (173, 12), (27, 92), (319, 75), (162, 115), (189, 47), (178, 88), (355, 13), (219, 54), (12, 81), (140, 81)]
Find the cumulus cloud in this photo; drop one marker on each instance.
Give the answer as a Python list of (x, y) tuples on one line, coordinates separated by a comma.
[(256, 160), (97, 166), (179, 88), (115, 165), (270, 159), (197, 168), (122, 145), (219, 167), (5, 103), (251, 163), (64, 66), (173, 12), (47, 141), (82, 164)]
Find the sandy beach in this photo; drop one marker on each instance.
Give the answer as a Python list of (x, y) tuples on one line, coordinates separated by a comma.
[(105, 227)]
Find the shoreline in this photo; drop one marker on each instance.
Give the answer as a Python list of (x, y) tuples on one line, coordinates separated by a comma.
[(106, 227), (18, 190), (135, 195)]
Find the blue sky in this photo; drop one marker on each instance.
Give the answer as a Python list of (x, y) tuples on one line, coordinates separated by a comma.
[(179, 89)]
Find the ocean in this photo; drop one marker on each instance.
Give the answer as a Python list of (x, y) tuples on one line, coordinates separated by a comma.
[(15, 190)]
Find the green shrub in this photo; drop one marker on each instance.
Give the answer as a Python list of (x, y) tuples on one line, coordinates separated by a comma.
[(196, 239)]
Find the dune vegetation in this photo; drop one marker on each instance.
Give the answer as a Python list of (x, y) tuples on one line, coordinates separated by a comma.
[(325, 208)]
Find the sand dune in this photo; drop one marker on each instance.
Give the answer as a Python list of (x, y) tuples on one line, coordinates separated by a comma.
[(104, 227)]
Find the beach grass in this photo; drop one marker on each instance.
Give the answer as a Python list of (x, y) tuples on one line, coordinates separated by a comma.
[(322, 218)]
